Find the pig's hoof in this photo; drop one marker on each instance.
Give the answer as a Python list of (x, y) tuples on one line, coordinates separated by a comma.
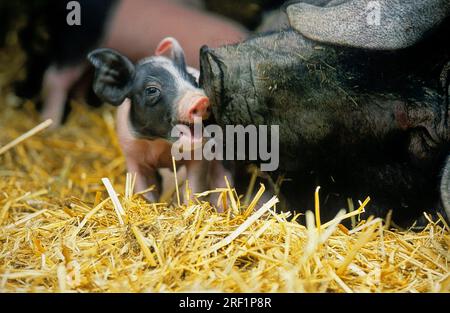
[(56, 122), (151, 197)]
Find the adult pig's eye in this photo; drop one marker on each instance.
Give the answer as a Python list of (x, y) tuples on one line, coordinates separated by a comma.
[(152, 92)]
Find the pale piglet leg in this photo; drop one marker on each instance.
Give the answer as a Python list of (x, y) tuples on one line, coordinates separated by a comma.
[(168, 180), (216, 175), (197, 175), (145, 178), (57, 84)]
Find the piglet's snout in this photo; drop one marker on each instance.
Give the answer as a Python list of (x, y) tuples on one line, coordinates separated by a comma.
[(194, 106), (200, 108)]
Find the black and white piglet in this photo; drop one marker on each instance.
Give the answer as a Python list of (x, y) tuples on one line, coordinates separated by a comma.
[(153, 96)]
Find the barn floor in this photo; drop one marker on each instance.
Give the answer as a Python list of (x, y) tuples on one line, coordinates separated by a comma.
[(61, 232)]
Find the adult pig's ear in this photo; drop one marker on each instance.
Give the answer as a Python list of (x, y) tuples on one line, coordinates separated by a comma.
[(380, 25), (114, 75), (171, 48)]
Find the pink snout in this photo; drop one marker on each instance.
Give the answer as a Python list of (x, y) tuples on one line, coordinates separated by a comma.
[(200, 109)]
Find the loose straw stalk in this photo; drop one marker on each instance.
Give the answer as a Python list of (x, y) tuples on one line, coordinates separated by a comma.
[(176, 180), (244, 225), (25, 136), (115, 200), (317, 207)]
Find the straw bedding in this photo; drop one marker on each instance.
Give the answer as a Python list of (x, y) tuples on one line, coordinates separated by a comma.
[(62, 231)]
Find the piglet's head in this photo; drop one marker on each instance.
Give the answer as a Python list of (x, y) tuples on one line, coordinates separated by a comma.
[(162, 91)]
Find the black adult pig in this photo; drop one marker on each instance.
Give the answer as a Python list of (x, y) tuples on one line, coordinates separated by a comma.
[(360, 115)]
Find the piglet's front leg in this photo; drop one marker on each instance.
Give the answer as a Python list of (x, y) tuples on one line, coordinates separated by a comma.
[(145, 178), (197, 175), (216, 179)]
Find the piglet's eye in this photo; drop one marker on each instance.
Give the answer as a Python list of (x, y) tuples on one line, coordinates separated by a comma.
[(152, 92)]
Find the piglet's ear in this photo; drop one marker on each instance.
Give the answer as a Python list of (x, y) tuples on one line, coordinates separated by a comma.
[(114, 74), (171, 48)]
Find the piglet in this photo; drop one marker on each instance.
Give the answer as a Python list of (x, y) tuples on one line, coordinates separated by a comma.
[(154, 95)]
